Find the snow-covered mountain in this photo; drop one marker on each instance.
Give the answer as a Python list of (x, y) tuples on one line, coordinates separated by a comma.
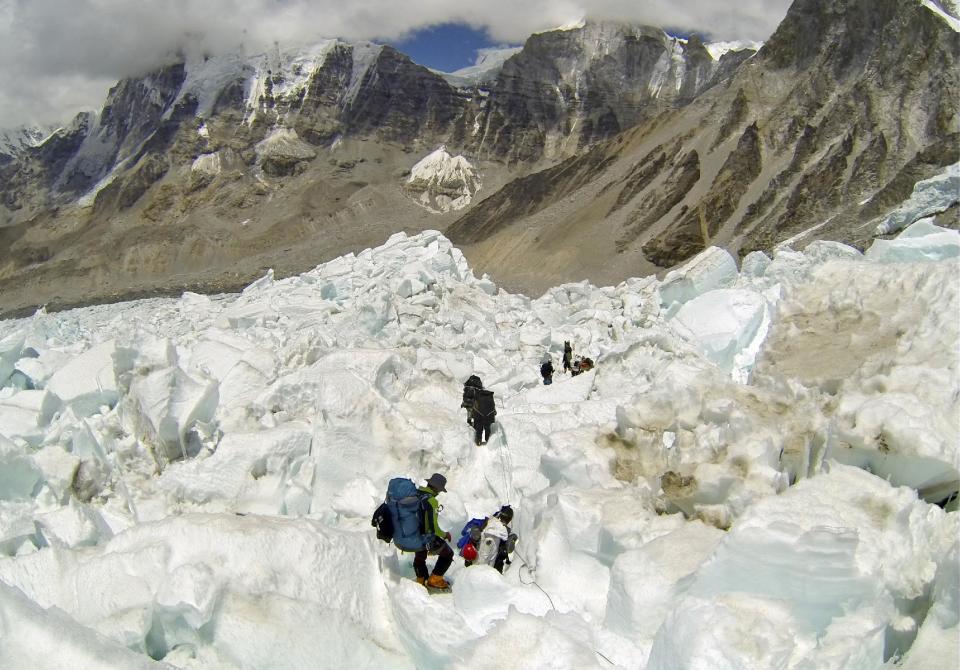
[(299, 154), (14, 141), (605, 150), (747, 479), (484, 71)]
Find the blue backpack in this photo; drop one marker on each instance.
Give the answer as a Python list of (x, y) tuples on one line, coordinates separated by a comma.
[(467, 534), (407, 506)]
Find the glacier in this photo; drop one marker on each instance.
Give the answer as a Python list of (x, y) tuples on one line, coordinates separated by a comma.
[(757, 474)]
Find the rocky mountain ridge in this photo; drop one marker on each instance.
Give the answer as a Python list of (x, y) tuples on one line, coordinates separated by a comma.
[(210, 165)]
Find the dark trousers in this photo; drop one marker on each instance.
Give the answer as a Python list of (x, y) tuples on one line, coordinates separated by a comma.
[(481, 427), (445, 554), (501, 557)]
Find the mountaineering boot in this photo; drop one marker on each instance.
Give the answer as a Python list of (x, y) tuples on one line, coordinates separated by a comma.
[(422, 581), (437, 582)]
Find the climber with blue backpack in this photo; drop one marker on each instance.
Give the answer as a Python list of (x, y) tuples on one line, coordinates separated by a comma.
[(409, 518)]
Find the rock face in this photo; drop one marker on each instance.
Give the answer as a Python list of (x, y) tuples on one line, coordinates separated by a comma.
[(205, 172), (573, 87), (819, 135)]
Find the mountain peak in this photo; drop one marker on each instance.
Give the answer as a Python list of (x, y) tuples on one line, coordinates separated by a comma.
[(13, 141)]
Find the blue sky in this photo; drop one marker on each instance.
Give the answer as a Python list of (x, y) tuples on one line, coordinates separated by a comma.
[(446, 47)]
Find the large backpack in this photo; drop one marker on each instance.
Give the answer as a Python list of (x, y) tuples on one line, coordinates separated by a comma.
[(484, 405), (467, 536), (470, 388), (407, 507)]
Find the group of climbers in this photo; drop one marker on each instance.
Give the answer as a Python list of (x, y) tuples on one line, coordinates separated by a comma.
[(409, 516), (572, 364)]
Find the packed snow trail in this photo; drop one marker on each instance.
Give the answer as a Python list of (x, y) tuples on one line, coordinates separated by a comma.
[(188, 482)]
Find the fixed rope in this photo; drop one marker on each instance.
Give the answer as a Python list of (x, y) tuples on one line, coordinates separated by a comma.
[(533, 582), (506, 468)]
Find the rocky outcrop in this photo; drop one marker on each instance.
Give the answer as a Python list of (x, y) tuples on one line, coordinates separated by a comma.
[(877, 96), (133, 113), (124, 191), (441, 183), (400, 101), (695, 228)]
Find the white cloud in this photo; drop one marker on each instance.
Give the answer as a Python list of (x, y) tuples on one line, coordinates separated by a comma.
[(59, 56)]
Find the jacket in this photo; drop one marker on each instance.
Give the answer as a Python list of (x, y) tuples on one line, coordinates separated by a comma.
[(492, 541), (431, 521)]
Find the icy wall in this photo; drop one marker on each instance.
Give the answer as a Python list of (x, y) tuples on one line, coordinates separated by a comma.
[(190, 480)]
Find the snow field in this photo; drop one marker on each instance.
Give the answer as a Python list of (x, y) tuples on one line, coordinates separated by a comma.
[(188, 482)]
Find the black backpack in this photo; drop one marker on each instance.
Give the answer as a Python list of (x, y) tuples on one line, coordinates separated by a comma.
[(383, 523), (484, 405)]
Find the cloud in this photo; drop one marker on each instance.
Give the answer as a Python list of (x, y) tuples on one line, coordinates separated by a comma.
[(58, 57)]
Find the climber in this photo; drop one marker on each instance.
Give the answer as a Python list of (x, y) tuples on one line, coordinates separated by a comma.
[(470, 388), (489, 540), (437, 540), (546, 370), (567, 356), (408, 518), (484, 412)]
